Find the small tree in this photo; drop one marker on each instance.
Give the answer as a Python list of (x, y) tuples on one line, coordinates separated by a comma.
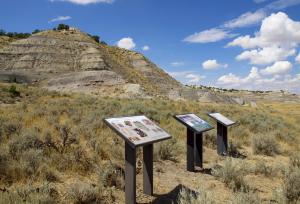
[(2, 32), (63, 27), (36, 31), (96, 38)]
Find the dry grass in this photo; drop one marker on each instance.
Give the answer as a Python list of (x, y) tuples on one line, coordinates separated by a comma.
[(49, 137)]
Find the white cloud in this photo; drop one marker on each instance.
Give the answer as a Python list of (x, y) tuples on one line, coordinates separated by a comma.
[(281, 67), (282, 4), (211, 35), (194, 78), (246, 19), (255, 81), (277, 29), (126, 43), (232, 79), (60, 18), (85, 2), (266, 55), (187, 77), (177, 64), (276, 40), (259, 1), (212, 64), (297, 59), (145, 48)]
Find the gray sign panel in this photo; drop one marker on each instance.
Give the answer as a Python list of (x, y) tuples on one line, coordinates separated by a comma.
[(194, 122)]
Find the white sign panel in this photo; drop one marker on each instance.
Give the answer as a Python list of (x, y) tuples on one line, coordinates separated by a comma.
[(221, 118), (138, 129)]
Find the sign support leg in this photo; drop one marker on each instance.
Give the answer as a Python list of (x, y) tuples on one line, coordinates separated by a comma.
[(199, 149), (190, 151), (222, 143), (148, 169), (130, 174)]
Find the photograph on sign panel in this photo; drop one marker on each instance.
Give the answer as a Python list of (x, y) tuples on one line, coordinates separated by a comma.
[(138, 129), (195, 122), (221, 118)]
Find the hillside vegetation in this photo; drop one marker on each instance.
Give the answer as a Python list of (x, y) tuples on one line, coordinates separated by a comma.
[(55, 148)]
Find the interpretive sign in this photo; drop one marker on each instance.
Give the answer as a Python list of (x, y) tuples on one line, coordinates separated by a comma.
[(222, 125), (222, 119), (194, 122), (195, 128), (137, 130)]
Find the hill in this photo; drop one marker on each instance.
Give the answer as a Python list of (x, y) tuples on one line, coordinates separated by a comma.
[(72, 60)]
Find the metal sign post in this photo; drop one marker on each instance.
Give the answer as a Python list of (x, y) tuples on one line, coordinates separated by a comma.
[(195, 128), (137, 131), (130, 174), (222, 130)]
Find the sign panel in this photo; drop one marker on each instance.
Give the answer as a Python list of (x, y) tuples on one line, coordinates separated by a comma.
[(222, 119), (193, 121), (138, 130)]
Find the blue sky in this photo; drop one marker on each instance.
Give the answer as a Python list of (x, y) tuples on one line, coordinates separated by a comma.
[(247, 44)]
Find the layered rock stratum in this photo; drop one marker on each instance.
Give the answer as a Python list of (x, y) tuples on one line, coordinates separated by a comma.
[(73, 61)]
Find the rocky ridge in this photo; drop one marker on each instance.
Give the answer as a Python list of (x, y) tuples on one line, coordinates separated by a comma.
[(73, 61)]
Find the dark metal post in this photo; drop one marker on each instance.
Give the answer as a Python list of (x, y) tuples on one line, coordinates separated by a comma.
[(148, 169), (222, 139), (190, 151), (199, 149), (130, 174)]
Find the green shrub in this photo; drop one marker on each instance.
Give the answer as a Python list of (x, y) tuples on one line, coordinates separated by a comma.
[(232, 173), (112, 175), (189, 197), (262, 168), (13, 91), (167, 150), (265, 144), (81, 192), (295, 160), (291, 185), (246, 198)]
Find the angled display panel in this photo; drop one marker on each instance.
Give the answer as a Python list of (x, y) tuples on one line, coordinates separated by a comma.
[(137, 130), (194, 122), (222, 119)]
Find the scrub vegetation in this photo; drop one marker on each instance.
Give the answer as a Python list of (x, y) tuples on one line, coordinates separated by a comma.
[(55, 148)]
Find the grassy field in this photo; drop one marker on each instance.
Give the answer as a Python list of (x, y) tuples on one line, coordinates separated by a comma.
[(54, 148)]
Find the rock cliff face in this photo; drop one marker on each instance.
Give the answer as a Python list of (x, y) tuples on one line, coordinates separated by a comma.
[(73, 61), (67, 59)]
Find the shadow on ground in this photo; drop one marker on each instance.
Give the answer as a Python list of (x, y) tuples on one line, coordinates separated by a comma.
[(172, 196)]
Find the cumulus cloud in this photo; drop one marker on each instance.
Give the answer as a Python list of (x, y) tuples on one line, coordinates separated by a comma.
[(211, 35), (145, 48), (188, 77), (126, 43), (85, 2), (232, 79), (266, 55), (297, 59), (212, 64), (60, 18), (246, 19), (257, 80), (276, 40), (281, 67)]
